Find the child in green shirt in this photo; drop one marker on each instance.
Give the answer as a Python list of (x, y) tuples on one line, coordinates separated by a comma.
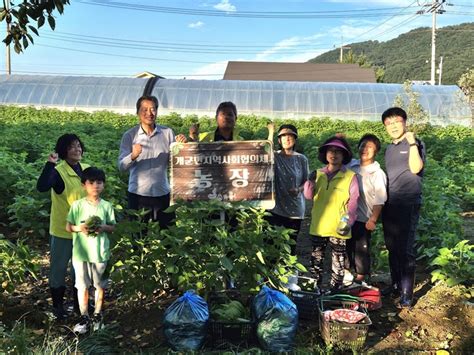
[(90, 219)]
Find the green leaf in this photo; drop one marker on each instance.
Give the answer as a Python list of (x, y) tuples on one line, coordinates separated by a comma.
[(59, 6), (34, 30), (40, 21), (260, 257), (52, 22), (441, 261), (8, 39), (452, 281), (301, 267), (171, 208), (17, 47), (226, 263), (172, 269)]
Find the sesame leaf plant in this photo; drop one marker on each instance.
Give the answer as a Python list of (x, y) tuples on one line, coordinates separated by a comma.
[(16, 264), (203, 252)]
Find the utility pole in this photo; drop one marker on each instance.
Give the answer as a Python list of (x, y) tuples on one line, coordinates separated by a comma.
[(440, 70), (433, 44), (8, 57), (436, 7), (342, 50)]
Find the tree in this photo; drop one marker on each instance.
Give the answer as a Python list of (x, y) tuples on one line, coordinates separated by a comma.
[(466, 83), (19, 18), (363, 61), (409, 102)]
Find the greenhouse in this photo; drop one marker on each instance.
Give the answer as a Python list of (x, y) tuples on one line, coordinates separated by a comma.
[(445, 104)]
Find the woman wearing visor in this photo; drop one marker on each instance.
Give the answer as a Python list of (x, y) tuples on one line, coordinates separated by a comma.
[(291, 172)]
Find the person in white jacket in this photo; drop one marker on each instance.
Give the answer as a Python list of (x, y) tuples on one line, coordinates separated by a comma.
[(373, 194)]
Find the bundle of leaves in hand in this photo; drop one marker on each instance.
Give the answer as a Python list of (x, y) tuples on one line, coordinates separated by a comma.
[(93, 223), (232, 311)]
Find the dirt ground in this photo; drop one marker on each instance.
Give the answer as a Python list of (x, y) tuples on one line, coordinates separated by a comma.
[(441, 319)]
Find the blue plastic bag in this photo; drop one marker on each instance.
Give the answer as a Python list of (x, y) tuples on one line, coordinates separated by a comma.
[(185, 323), (277, 320)]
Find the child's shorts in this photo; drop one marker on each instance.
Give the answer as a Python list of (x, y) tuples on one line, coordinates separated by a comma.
[(89, 274)]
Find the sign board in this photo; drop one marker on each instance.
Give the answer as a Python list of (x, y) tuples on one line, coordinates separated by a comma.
[(227, 171)]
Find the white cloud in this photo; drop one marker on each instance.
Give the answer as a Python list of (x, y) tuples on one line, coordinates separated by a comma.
[(292, 43), (214, 71), (226, 6), (196, 24)]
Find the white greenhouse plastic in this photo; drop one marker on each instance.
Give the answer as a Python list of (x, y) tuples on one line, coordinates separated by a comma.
[(72, 92), (445, 104)]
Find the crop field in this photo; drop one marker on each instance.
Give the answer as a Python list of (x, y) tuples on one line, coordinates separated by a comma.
[(149, 268)]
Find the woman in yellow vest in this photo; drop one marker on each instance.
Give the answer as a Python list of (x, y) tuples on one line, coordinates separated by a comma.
[(63, 178), (334, 190)]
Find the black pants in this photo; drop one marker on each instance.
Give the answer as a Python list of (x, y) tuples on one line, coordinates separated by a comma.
[(399, 227), (155, 207), (290, 223), (358, 249), (338, 257)]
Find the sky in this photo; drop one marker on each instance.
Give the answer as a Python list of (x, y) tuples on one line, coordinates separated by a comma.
[(194, 39)]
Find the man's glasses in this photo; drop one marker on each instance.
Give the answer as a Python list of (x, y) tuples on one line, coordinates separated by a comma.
[(393, 121), (147, 109)]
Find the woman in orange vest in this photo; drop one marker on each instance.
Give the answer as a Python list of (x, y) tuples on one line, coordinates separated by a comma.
[(63, 178), (334, 190)]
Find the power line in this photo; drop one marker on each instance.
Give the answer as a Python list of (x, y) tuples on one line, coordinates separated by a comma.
[(397, 26), (125, 56), (119, 43), (377, 12), (170, 43), (29, 72), (383, 22)]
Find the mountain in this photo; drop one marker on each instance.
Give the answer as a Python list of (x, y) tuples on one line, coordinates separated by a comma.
[(408, 56)]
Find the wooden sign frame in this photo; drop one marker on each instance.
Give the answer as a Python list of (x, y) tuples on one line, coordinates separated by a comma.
[(228, 171)]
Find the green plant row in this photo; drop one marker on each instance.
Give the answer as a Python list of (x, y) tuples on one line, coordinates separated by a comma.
[(29, 135)]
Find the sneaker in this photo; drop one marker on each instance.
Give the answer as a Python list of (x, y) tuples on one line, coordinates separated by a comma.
[(83, 326), (348, 278), (97, 321)]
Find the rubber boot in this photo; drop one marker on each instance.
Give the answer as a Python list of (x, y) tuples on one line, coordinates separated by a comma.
[(391, 290), (75, 301), (407, 285), (57, 294)]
